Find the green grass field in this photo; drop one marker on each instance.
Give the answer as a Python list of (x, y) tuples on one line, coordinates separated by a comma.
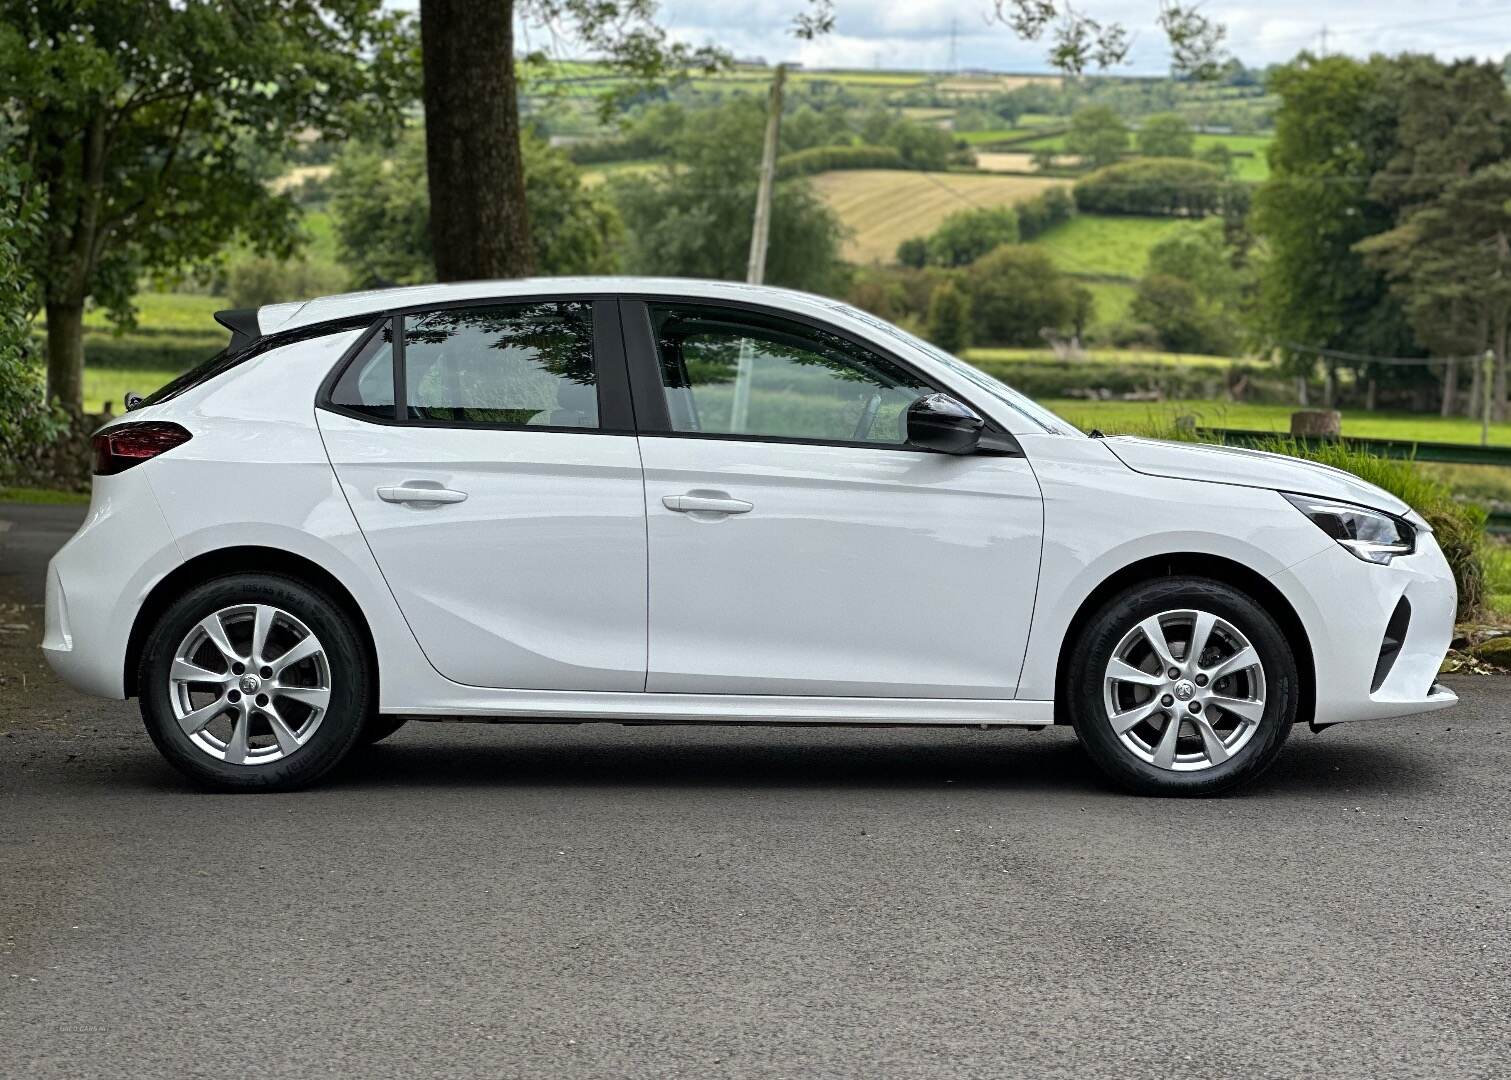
[(1104, 244), (1249, 161), (1134, 417), (165, 313), (1094, 357)]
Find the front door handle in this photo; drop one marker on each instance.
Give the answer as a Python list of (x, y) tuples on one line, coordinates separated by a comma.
[(406, 493), (706, 504)]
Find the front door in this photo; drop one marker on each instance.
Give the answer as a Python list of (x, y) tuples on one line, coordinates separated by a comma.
[(503, 505), (798, 546)]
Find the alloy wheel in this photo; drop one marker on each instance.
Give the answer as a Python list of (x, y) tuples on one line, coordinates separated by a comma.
[(1184, 690), (249, 684)]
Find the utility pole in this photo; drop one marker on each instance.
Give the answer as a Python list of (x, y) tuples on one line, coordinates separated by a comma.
[(1487, 376), (755, 269), (954, 31), (1324, 39)]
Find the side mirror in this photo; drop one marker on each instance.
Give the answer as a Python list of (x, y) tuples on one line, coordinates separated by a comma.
[(939, 422)]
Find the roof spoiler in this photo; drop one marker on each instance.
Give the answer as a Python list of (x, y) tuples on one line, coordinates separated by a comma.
[(242, 322)]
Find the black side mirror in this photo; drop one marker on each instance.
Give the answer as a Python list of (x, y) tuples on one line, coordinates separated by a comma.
[(939, 422)]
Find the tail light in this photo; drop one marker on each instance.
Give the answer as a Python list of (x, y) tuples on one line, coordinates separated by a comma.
[(125, 445)]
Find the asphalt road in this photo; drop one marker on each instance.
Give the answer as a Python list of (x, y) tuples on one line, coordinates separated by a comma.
[(594, 901)]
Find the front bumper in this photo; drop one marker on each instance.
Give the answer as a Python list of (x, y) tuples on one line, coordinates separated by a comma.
[(1346, 605)]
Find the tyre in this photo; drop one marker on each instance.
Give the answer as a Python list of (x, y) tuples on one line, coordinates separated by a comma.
[(380, 726), (1182, 686), (254, 683)]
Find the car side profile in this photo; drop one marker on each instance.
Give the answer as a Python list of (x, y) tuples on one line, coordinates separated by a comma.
[(679, 501)]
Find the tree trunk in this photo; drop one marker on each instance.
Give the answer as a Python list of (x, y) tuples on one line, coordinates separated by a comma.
[(1329, 385), (478, 224), (1498, 395), (65, 352), (1450, 386), (1371, 394), (1301, 394)]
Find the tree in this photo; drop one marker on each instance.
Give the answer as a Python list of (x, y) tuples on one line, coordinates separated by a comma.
[(381, 206), (25, 420), (966, 235), (474, 157), (1335, 129), (1098, 135), (1016, 293), (949, 319), (1166, 135), (692, 217), (145, 126), (1080, 41)]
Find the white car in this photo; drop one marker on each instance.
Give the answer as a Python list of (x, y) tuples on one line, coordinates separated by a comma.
[(675, 501)]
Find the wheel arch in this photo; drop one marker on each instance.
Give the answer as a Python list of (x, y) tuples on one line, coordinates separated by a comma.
[(247, 559), (1195, 564)]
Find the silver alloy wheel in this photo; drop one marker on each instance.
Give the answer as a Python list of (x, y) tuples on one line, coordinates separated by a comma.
[(250, 684), (1184, 690)]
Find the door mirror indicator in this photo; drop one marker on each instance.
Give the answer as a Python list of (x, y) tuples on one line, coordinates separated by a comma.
[(940, 422)]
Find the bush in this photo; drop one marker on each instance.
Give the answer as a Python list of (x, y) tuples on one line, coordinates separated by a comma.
[(255, 280), (1183, 320), (1166, 135), (1165, 187), (1097, 134), (819, 159), (966, 235), (949, 324), (1043, 212), (1016, 293), (913, 252)]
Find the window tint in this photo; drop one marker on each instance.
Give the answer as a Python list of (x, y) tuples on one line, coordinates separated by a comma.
[(732, 373), (366, 386), (528, 364)]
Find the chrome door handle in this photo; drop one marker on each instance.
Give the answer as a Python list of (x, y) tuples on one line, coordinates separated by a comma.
[(705, 504), (404, 493)]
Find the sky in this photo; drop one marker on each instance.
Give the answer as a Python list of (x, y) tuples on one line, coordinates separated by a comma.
[(916, 34)]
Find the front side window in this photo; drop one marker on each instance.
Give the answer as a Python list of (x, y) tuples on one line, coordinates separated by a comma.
[(506, 364), (728, 372)]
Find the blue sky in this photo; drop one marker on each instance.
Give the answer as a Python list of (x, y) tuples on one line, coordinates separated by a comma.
[(916, 33)]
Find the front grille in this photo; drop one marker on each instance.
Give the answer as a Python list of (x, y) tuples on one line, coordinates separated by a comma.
[(1390, 647)]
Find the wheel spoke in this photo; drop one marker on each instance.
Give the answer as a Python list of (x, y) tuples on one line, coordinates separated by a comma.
[(1164, 753), (1155, 633), (1122, 671), (262, 622), (236, 745), (1217, 753), (1131, 718), (1246, 710), (313, 696), (302, 649), (288, 742), (1243, 658), (194, 722), (1200, 633), (189, 672), (215, 630)]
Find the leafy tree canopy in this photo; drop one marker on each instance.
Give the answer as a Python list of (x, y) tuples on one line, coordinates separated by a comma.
[(1166, 135)]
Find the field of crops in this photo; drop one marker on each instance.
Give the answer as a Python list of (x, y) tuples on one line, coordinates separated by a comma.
[(884, 207)]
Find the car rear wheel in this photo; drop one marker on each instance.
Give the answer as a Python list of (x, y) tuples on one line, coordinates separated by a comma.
[(254, 683), (1182, 686)]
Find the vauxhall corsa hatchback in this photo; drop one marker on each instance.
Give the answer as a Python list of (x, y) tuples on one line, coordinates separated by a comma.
[(684, 501)]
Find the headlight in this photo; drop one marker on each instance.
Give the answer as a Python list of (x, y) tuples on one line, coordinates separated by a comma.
[(1371, 535)]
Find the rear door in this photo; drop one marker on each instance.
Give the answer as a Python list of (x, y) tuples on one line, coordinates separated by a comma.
[(502, 496), (798, 546)]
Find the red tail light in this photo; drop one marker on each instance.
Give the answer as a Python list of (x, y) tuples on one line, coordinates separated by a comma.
[(126, 445)]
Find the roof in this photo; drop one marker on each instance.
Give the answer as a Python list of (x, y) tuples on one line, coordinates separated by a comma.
[(279, 317)]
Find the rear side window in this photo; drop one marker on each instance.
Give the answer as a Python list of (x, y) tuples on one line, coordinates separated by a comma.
[(367, 386), (507, 364)]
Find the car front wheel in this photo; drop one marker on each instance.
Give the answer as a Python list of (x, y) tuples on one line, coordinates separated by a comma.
[(1182, 686), (254, 683)]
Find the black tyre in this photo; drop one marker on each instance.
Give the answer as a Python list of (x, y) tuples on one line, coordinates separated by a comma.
[(380, 726), (1182, 686), (254, 682)]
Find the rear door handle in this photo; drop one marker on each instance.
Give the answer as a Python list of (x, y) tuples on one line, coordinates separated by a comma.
[(405, 493), (705, 504)]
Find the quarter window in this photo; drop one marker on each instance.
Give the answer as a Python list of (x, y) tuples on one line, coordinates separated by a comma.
[(728, 372), (510, 364), (366, 386)]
